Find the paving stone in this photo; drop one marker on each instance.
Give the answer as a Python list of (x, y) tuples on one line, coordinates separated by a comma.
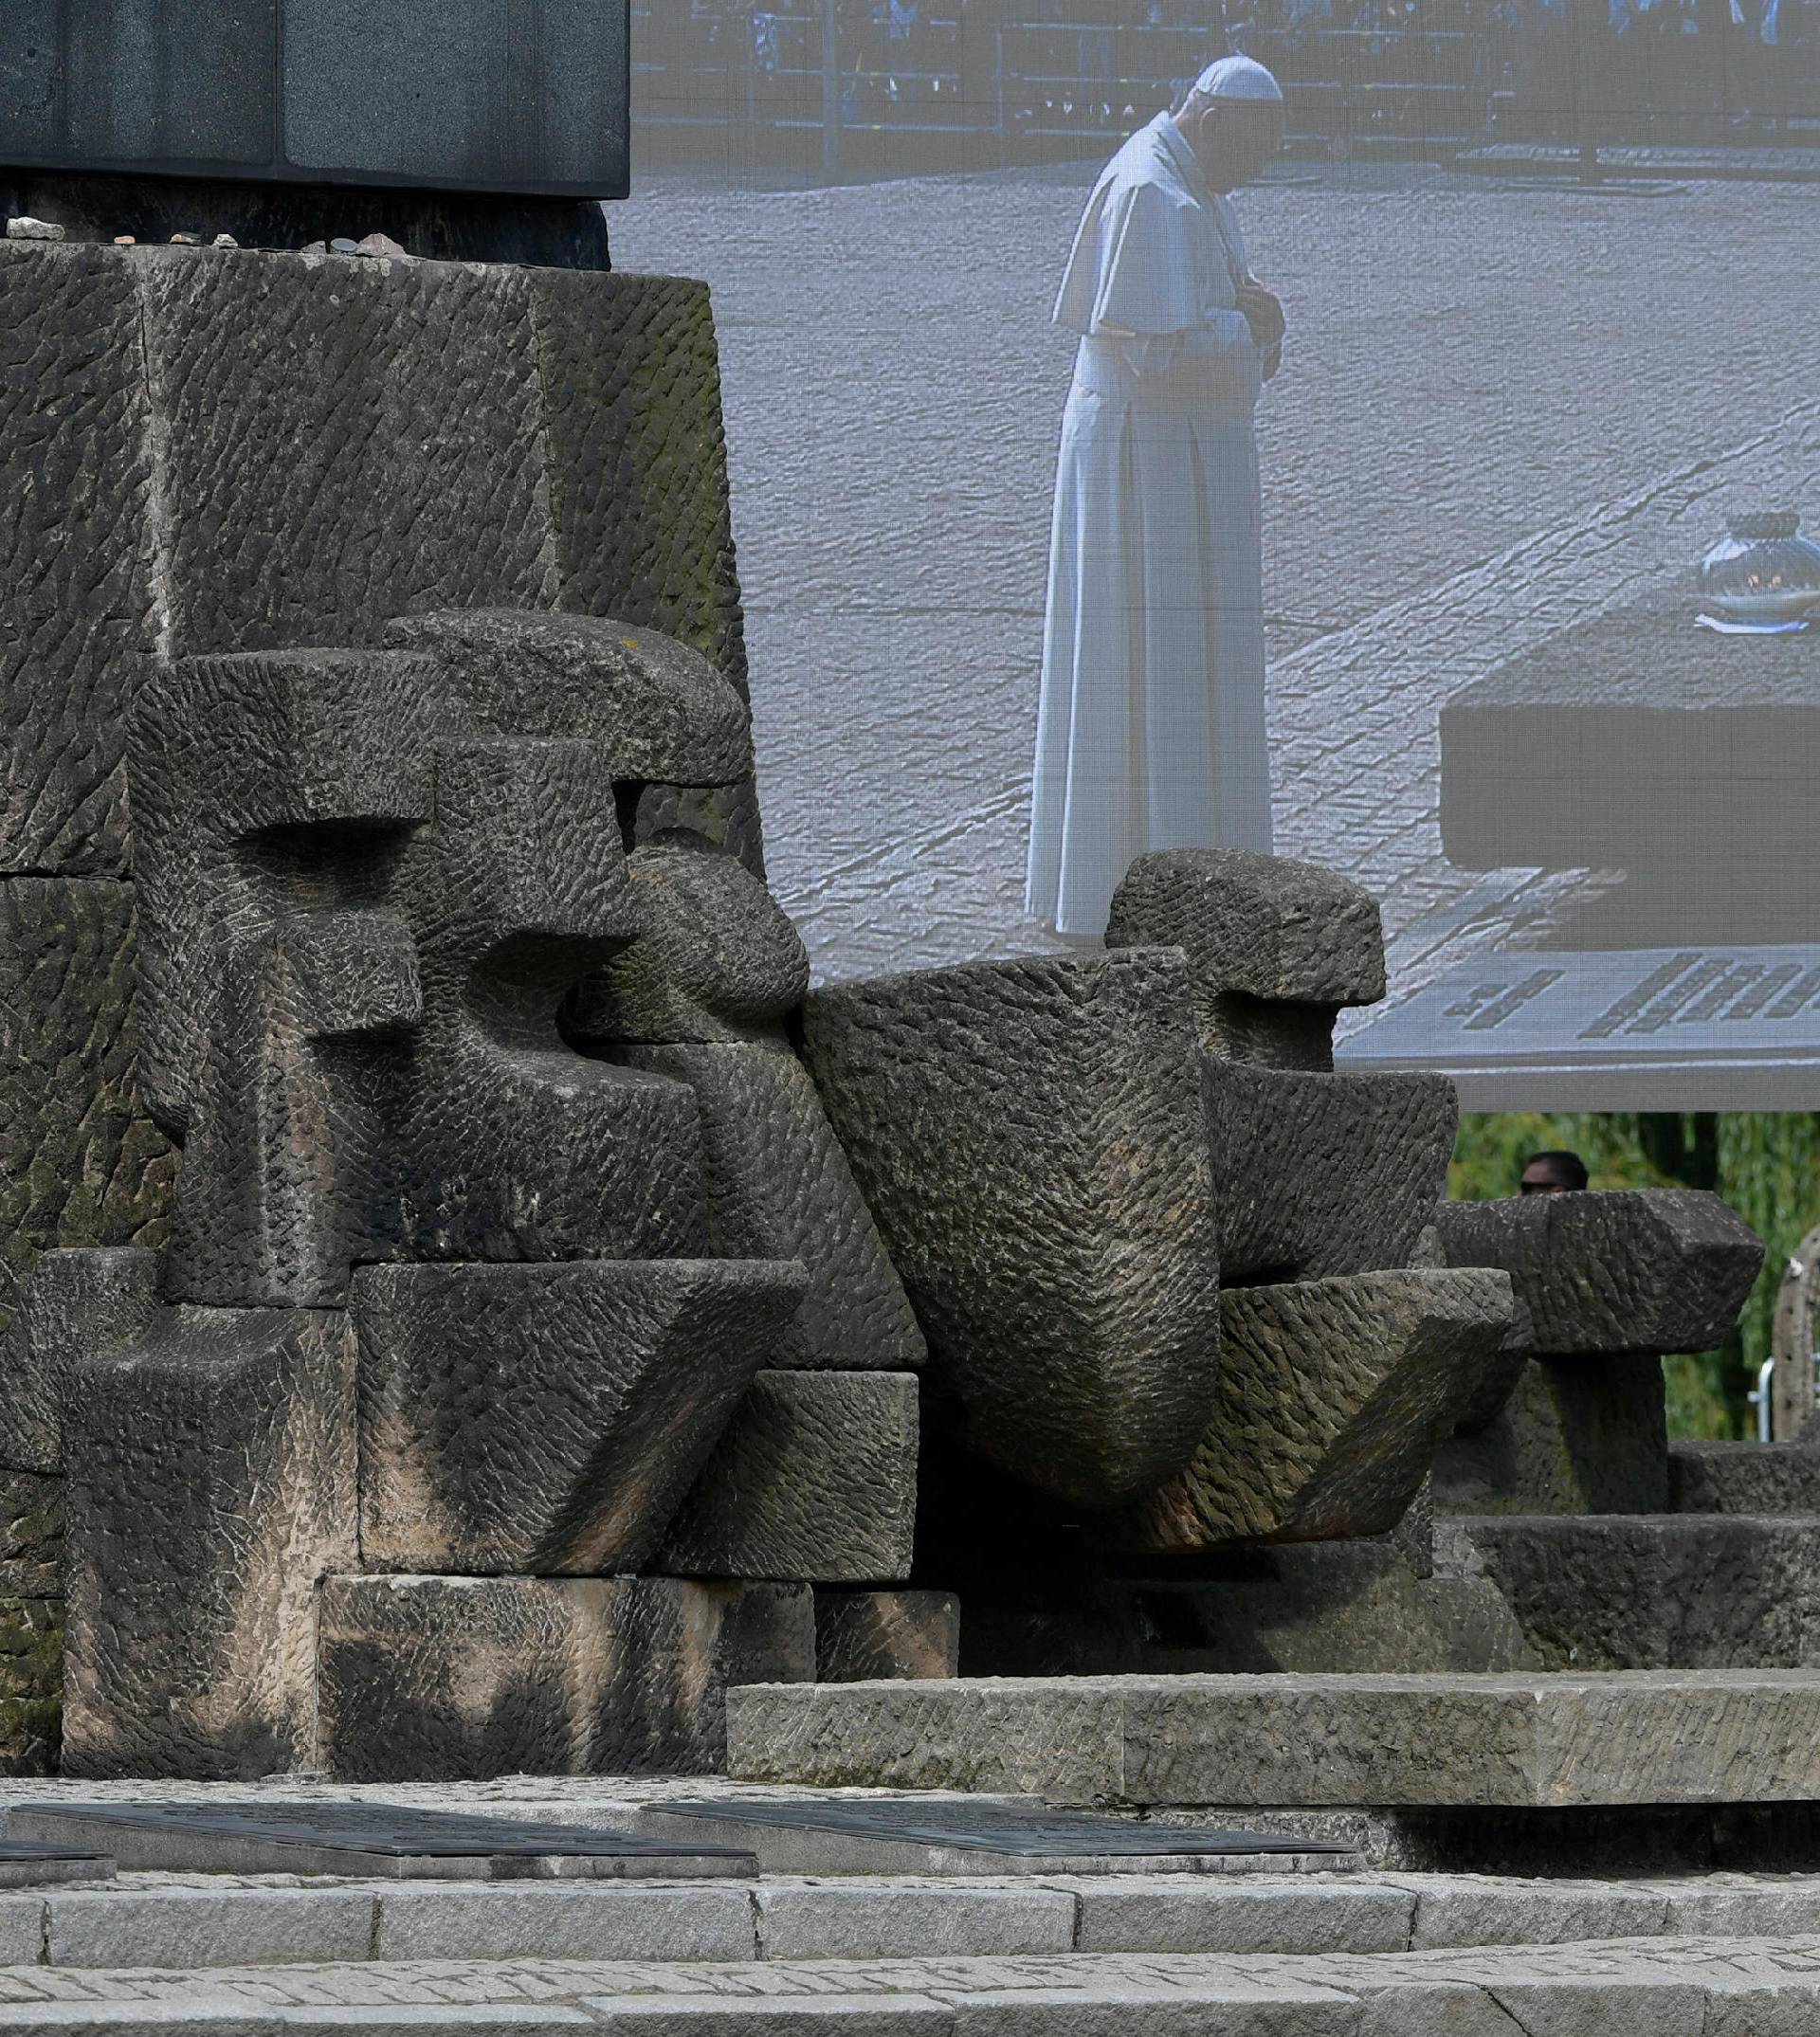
[(1212, 1915), (815, 1477), (1641, 1592), (1575, 1436), (624, 1375), (212, 1484), (1701, 1907), (778, 1186), (1333, 1397), (852, 1920), (1323, 1174), (193, 1928), (81, 1164), (1470, 1911), (1076, 1329), (812, 2016), (1246, 2009), (1613, 2005), (1435, 2009), (598, 1921), (1637, 1737), (1628, 1270), (21, 1930), (430, 1677), (860, 1635)]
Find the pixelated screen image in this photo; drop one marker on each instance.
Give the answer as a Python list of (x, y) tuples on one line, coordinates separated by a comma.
[(1375, 433)]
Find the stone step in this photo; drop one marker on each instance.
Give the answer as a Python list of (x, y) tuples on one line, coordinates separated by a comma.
[(198, 1924), (1679, 1986), (1562, 1740)]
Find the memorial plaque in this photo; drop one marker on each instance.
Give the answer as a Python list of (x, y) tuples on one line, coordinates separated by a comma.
[(392, 1840), (1694, 1027), (973, 1835), (521, 97), (29, 1863)]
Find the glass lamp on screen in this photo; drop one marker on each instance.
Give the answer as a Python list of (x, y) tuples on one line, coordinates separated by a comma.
[(1762, 571)]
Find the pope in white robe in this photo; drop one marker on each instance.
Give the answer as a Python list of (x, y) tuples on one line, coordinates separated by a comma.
[(1151, 732)]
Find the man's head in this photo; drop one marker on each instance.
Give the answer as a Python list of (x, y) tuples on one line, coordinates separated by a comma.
[(1553, 1173), (1233, 118)]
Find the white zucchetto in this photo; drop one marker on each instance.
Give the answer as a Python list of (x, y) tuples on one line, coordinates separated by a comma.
[(1237, 78)]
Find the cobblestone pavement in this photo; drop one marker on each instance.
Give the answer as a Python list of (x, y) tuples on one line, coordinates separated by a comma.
[(1502, 410)]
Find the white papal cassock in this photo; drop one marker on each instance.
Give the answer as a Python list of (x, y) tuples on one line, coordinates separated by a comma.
[(1151, 732)]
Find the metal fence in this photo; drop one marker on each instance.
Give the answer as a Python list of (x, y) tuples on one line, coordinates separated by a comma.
[(952, 90)]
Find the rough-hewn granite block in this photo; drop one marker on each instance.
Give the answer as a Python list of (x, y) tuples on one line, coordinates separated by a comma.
[(1029, 1137), (778, 1186), (1275, 947), (815, 1478), (81, 1161), (1334, 1396), (211, 1482), (860, 1635), (1638, 1591), (80, 1303), (1577, 1436), (1621, 1270), (549, 1420), (423, 1678), (1324, 1175), (1667, 1737), (1744, 1478), (77, 622), (31, 1535)]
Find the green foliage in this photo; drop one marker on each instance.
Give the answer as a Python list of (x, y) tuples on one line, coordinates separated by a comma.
[(1766, 1164)]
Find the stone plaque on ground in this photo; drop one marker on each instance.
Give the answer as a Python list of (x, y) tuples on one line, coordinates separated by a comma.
[(971, 1835), (390, 1840), (28, 1863)]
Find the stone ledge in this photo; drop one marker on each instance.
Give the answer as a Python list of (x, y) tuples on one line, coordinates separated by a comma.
[(1631, 1738)]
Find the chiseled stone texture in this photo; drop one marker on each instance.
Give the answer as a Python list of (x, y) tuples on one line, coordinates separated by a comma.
[(1029, 1137), (815, 1478), (423, 1678), (1639, 1591), (1626, 1271), (1332, 1398), (81, 1161), (860, 1635), (549, 1420), (1653, 1738), (77, 602), (80, 1303), (311, 446), (1743, 1478), (211, 1483), (1275, 947), (778, 1186), (1324, 1175), (1577, 1436), (31, 1535)]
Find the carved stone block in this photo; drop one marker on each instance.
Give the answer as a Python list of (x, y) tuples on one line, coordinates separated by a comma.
[(860, 1635)]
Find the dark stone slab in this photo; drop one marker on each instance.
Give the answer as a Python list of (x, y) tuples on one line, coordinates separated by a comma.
[(1332, 1398), (212, 1484), (1601, 1273), (449, 94), (25, 1864), (860, 1635), (1275, 947), (1030, 1138), (1641, 1592), (779, 1187), (1577, 1436), (423, 1678), (1319, 1175), (79, 1304), (815, 1478), (955, 1835), (366, 1838), (75, 588), (622, 1377), (1743, 1478)]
